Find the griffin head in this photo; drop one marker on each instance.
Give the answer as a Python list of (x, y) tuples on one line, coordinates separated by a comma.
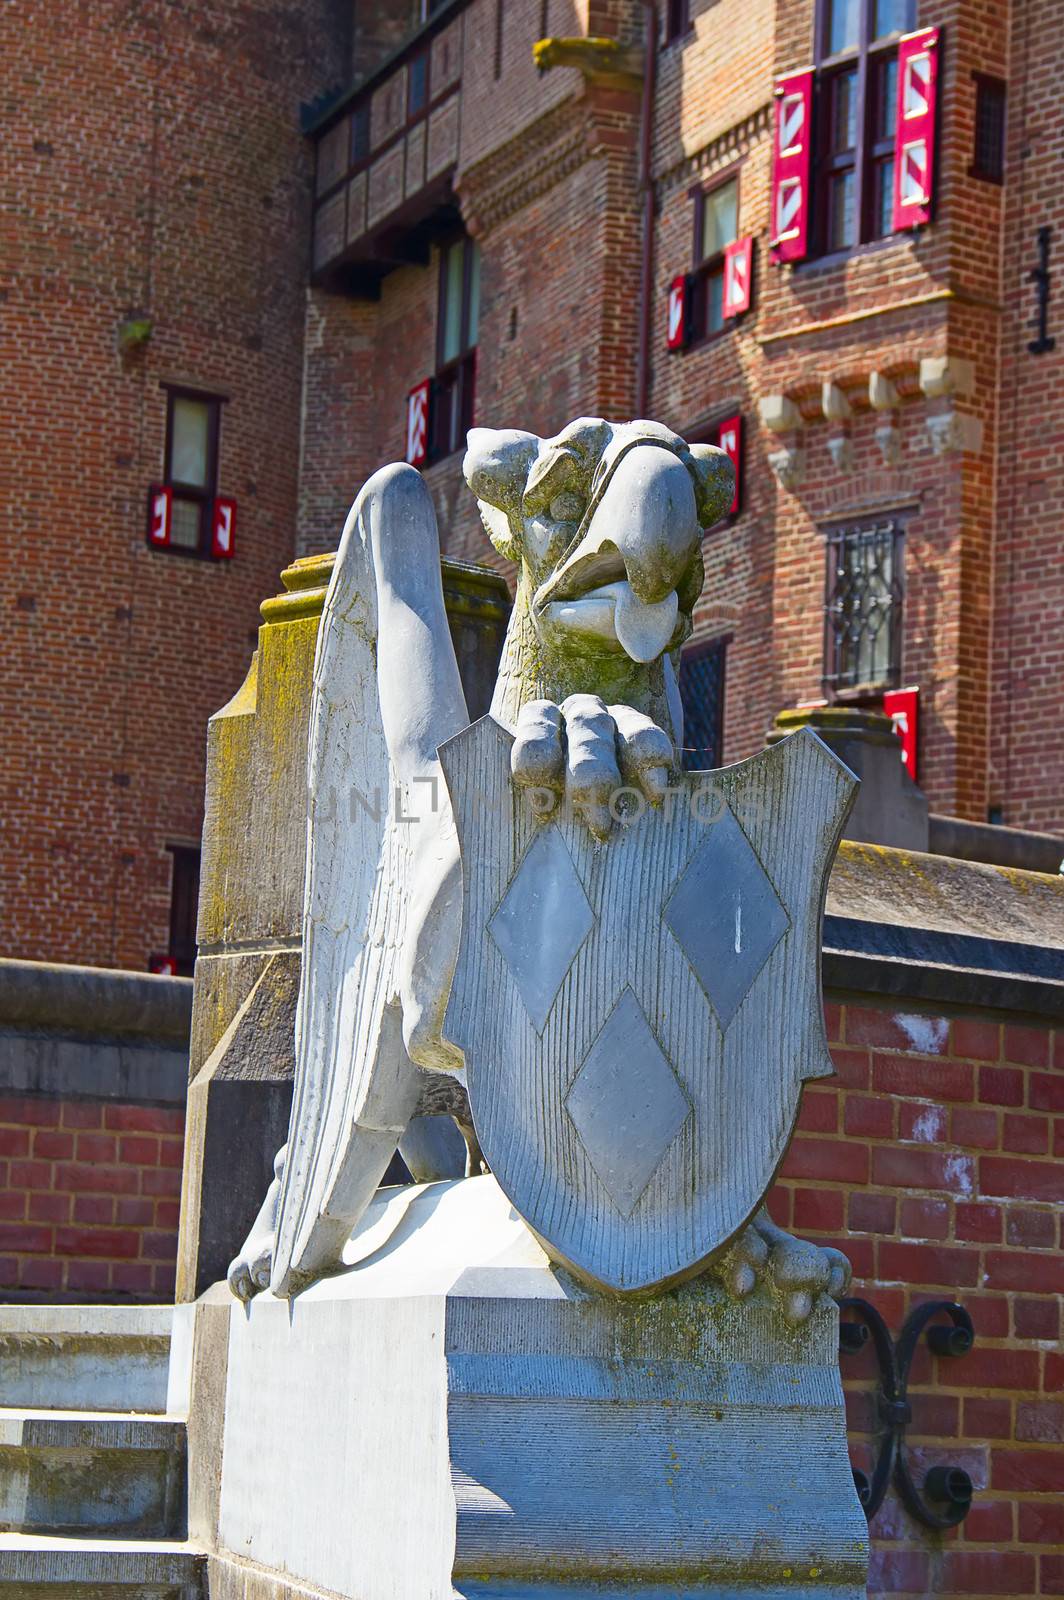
[(604, 522)]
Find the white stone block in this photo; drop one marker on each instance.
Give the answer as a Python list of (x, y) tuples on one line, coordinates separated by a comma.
[(453, 1416)]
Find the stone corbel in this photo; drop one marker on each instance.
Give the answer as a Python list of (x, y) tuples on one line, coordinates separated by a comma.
[(837, 409), (949, 378), (955, 430), (781, 416), (788, 464), (884, 398)]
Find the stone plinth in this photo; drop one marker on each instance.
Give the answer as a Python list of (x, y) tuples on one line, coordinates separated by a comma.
[(450, 1415), (251, 903), (889, 809)]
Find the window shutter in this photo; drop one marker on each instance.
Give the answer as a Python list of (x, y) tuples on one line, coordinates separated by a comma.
[(160, 507), (791, 166), (738, 265), (417, 423), (903, 708), (223, 528), (730, 440), (679, 312), (914, 164)]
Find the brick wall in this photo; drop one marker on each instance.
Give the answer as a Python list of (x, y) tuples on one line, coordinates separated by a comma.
[(89, 1199), (153, 167), (933, 1161)]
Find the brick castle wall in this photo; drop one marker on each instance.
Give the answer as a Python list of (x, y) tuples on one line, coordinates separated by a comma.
[(933, 1161), (153, 168), (90, 1193)]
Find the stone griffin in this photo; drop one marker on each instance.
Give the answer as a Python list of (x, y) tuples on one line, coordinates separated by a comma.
[(604, 523)]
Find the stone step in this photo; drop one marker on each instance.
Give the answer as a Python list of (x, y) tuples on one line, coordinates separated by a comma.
[(36, 1568), (85, 1358), (92, 1474)]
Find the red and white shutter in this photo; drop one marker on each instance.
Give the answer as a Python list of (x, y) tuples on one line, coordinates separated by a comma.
[(792, 149), (903, 708), (417, 423), (738, 268), (160, 514), (730, 440), (676, 330), (223, 528), (914, 163)]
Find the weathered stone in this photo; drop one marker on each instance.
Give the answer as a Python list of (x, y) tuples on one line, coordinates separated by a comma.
[(889, 808), (540, 1440)]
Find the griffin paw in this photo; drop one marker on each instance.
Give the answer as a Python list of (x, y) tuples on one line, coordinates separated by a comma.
[(796, 1271), (249, 1272), (589, 753)]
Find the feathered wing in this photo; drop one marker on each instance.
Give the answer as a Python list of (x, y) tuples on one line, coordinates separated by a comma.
[(386, 692)]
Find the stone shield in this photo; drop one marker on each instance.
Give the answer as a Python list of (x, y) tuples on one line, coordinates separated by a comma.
[(638, 1017)]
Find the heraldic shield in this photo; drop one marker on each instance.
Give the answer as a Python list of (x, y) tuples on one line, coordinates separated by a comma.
[(637, 1017)]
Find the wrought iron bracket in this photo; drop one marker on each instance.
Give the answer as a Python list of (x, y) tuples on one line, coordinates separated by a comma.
[(1039, 276), (945, 1497)]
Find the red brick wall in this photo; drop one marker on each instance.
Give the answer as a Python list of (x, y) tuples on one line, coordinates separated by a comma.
[(933, 1161), (153, 166), (89, 1199)]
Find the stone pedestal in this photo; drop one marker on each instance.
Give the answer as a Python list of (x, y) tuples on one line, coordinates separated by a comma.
[(451, 1415)]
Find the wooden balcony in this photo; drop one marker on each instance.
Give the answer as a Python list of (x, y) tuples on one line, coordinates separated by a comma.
[(386, 156)]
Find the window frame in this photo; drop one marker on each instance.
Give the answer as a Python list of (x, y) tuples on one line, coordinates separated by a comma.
[(869, 56), (986, 82), (676, 22), (891, 522), (188, 493), (185, 868), (454, 380), (707, 267)]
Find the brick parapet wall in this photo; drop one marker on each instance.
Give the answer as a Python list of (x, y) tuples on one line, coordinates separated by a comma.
[(89, 1199), (933, 1161)]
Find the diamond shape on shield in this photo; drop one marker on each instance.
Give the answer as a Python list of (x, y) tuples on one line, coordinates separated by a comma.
[(541, 922), (726, 916), (626, 1104)]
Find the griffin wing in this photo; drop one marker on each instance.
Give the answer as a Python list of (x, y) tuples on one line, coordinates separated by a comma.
[(386, 692)]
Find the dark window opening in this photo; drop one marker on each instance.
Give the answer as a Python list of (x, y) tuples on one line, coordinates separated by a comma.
[(360, 135), (193, 423), (863, 607), (184, 902), (702, 694), (677, 20), (417, 86), (716, 225), (856, 107), (988, 158), (454, 390)]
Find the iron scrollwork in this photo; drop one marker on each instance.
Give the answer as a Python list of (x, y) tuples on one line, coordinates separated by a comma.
[(945, 1497)]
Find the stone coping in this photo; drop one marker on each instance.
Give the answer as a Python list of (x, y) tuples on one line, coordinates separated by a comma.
[(94, 1002)]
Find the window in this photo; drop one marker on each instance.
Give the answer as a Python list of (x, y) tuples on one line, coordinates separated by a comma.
[(417, 86), (863, 606), (192, 426), (677, 19), (988, 158), (702, 694), (180, 958), (857, 86), (360, 135), (456, 347), (716, 225)]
